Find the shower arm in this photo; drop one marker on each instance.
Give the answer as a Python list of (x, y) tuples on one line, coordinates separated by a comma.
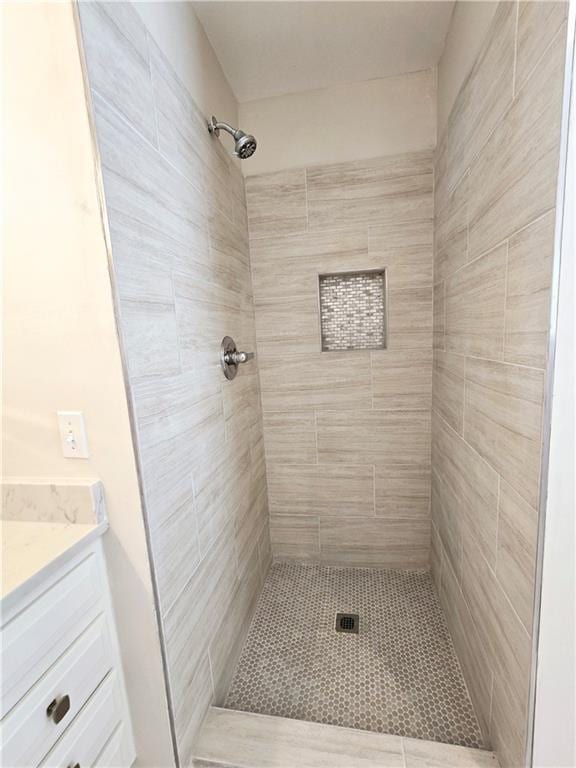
[(215, 126)]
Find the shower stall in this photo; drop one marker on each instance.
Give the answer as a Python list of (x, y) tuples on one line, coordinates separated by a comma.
[(341, 519)]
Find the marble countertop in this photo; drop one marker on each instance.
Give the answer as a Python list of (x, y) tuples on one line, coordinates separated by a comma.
[(31, 549)]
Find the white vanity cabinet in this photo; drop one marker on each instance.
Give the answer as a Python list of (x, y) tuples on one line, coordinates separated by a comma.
[(63, 700)]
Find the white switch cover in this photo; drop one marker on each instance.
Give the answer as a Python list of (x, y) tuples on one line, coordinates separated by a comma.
[(73, 434)]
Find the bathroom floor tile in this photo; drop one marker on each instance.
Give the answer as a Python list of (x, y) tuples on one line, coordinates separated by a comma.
[(398, 675)]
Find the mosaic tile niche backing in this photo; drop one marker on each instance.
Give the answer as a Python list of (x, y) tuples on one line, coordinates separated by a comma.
[(352, 310)]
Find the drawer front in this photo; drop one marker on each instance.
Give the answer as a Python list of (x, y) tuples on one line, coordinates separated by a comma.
[(27, 733), (32, 641), (87, 737), (117, 752)]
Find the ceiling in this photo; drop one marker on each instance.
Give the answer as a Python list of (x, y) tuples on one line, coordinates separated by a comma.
[(270, 48)]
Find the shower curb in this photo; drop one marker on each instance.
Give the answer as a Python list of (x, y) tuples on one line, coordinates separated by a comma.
[(229, 738)]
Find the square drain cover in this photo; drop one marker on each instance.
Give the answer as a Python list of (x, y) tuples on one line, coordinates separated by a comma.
[(347, 622)]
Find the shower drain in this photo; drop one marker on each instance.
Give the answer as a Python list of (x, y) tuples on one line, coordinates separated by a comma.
[(347, 622)]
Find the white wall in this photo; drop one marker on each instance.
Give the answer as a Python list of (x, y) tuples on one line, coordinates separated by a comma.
[(178, 32), (60, 344), (348, 122), (468, 26)]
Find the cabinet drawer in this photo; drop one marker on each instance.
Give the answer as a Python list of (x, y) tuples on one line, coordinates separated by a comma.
[(117, 752), (32, 641), (27, 733), (86, 738)]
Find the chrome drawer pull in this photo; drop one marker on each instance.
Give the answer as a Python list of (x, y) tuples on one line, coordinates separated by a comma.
[(58, 708)]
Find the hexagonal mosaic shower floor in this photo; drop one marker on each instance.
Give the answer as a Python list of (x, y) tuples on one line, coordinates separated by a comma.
[(398, 675)]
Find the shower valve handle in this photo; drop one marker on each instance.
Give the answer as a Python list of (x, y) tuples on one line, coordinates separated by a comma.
[(230, 357), (234, 358)]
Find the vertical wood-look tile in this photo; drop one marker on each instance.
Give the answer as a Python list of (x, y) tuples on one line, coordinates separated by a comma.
[(513, 180), (528, 293), (516, 561), (469, 491), (116, 49), (475, 306), (538, 23), (502, 421), (448, 388), (439, 316)]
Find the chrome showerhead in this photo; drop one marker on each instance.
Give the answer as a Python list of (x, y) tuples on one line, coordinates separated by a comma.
[(244, 143)]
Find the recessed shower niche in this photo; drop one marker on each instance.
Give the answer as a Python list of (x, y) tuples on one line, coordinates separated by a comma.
[(353, 310)]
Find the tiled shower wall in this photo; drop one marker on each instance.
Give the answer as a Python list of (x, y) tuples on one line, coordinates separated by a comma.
[(495, 184), (177, 218), (347, 433)]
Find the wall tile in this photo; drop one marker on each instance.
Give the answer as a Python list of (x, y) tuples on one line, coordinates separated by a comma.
[(180, 124), (451, 232), (116, 49), (502, 420), (402, 491), (435, 557), (297, 489), (516, 561), (276, 203), (373, 437), (485, 95), (286, 266), (140, 183), (472, 653), (377, 541), (324, 380), (399, 235), (409, 318), (361, 215), (507, 725), (448, 388), (538, 23), (288, 326), (192, 620), (290, 437), (498, 159), (388, 189), (402, 379), (500, 630), (190, 709), (439, 316), (528, 293), (469, 490), (151, 339), (228, 640), (178, 224), (408, 267), (475, 306), (295, 536), (447, 522), (521, 156)]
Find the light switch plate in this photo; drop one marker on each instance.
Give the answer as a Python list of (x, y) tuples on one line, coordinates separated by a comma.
[(73, 435)]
